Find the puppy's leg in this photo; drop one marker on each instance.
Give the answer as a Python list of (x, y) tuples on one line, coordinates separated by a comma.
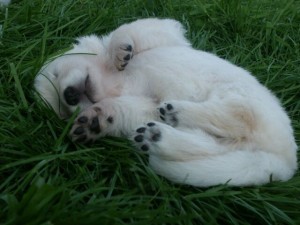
[(112, 116), (196, 158), (217, 117), (176, 145), (133, 38), (235, 168)]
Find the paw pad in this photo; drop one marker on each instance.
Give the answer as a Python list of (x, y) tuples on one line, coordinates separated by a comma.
[(82, 119), (139, 138), (141, 130), (79, 130), (145, 148), (95, 127)]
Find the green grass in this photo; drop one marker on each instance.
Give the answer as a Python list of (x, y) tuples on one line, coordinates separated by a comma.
[(46, 179)]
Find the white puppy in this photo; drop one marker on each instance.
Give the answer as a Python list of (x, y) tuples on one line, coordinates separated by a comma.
[(218, 123)]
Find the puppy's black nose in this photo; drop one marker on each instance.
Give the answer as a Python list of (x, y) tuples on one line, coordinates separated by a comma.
[(72, 95)]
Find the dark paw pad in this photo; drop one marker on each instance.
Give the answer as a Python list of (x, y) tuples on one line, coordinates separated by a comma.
[(79, 131), (82, 119), (127, 48), (141, 130), (127, 57), (139, 138), (144, 148), (151, 124), (95, 127)]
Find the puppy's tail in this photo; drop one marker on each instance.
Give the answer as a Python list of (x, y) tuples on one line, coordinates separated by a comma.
[(236, 168)]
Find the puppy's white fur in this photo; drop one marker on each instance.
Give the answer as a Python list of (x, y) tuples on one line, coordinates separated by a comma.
[(228, 127)]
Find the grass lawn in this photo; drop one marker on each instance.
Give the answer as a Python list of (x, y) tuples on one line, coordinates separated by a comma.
[(46, 179)]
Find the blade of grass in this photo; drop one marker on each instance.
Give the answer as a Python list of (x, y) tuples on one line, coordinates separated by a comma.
[(18, 85)]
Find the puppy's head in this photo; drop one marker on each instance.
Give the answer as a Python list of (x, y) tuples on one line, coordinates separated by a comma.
[(68, 81)]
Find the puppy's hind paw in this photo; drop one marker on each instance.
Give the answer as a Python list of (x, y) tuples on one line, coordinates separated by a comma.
[(147, 137)]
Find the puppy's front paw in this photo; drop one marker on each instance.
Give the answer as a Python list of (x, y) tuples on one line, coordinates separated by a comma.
[(91, 124), (168, 114)]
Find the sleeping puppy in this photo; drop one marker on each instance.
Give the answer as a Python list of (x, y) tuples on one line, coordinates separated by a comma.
[(202, 120)]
